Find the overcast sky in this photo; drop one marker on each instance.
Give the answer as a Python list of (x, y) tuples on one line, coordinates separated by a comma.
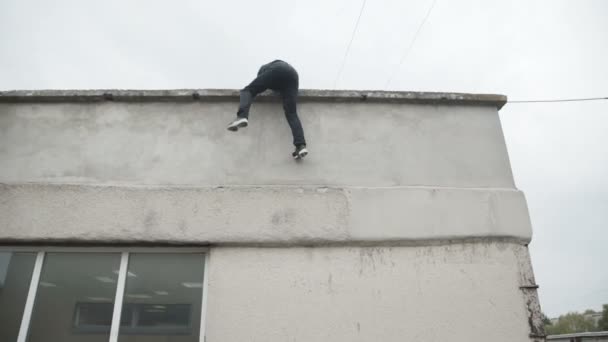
[(526, 49)]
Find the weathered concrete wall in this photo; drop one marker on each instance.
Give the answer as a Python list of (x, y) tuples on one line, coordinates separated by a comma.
[(414, 227), (397, 167), (254, 215), (465, 292), (352, 144)]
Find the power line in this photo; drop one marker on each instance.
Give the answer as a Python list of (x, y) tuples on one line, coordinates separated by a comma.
[(352, 37), (560, 100), (409, 48)]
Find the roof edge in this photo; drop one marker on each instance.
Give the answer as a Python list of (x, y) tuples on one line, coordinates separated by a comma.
[(170, 95)]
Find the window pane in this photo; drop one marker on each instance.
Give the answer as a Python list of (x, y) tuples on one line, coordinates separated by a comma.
[(169, 315), (68, 283), (164, 293), (97, 317), (15, 275)]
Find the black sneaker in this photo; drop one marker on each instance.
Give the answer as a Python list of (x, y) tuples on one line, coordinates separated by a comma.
[(238, 123), (300, 152)]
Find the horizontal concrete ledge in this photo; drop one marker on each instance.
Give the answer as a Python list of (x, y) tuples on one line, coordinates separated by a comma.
[(259, 215), (316, 95), (20, 245)]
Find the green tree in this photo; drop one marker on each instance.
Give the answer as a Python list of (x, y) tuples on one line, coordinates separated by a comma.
[(569, 323), (602, 324), (546, 320)]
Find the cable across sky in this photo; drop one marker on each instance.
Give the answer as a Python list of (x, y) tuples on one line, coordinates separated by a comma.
[(560, 100), (352, 37), (406, 52)]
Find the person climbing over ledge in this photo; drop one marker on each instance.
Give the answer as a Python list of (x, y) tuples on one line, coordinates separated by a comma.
[(282, 78)]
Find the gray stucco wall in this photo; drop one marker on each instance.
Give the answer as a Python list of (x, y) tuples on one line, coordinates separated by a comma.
[(467, 292), (403, 223), (396, 167), (259, 215), (352, 144)]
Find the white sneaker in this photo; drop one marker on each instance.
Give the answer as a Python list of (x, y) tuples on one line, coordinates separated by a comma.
[(238, 123), (300, 152)]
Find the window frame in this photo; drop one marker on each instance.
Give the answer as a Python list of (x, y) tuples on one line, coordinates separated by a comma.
[(120, 284)]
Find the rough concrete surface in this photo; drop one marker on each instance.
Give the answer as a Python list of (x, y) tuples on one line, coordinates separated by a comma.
[(463, 292), (403, 224), (315, 95), (529, 290), (258, 215), (351, 144)]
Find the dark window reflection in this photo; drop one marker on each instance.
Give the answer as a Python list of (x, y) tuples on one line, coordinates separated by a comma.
[(165, 293), (68, 279), (15, 275), (144, 319)]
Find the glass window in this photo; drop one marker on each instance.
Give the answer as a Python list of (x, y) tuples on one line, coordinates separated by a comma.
[(93, 316), (75, 294), (15, 275), (68, 280), (164, 295), (97, 317)]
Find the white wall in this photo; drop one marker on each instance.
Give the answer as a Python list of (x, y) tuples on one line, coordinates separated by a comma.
[(413, 227), (170, 171), (465, 292), (352, 144), (252, 215)]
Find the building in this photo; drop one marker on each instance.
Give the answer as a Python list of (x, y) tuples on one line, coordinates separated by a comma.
[(135, 216), (597, 336)]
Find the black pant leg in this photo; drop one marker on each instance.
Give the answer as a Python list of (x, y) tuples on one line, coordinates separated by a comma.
[(264, 81), (290, 96)]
